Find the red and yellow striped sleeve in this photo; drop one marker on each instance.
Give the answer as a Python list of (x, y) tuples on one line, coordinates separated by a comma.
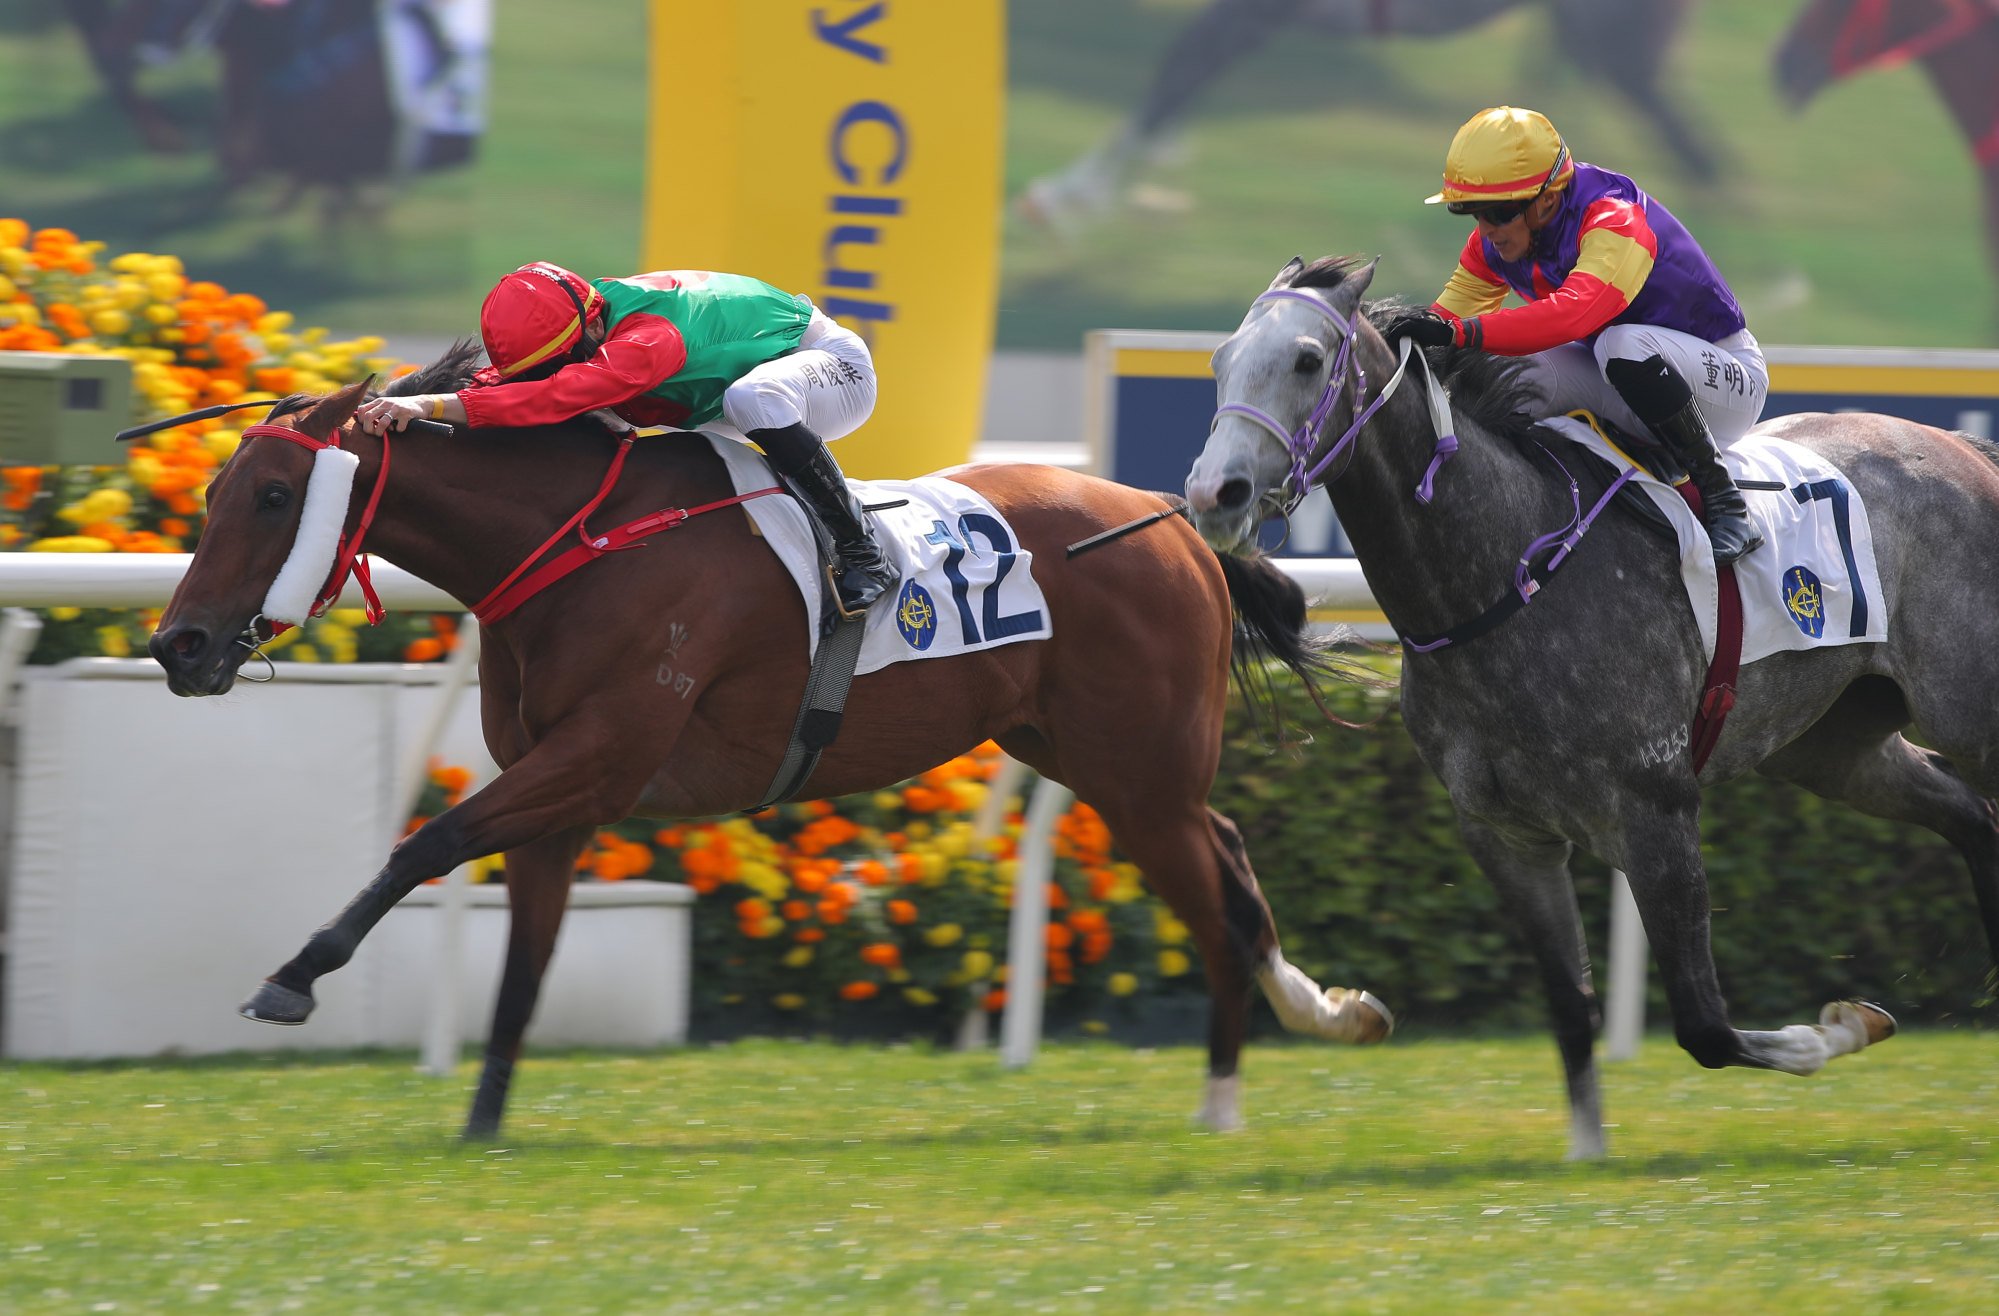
[(1614, 258), (1473, 288)]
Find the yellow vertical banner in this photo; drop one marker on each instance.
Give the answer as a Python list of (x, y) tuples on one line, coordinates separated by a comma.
[(849, 150)]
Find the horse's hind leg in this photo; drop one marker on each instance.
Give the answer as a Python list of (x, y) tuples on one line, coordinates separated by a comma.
[(1659, 851), (1886, 776), (538, 878), (1532, 878), (1333, 1014)]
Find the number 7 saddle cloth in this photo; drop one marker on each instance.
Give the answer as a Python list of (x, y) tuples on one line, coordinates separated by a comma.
[(1812, 584), (966, 581)]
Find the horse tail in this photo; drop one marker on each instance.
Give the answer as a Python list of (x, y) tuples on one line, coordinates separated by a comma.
[(1271, 630)]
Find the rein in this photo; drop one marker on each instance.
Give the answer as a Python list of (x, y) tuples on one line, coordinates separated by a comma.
[(1302, 445), (520, 585)]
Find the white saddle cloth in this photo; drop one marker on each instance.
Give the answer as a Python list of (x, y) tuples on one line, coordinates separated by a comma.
[(966, 581), (1813, 584)]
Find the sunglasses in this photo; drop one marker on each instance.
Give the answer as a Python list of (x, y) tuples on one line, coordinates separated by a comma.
[(1498, 214)]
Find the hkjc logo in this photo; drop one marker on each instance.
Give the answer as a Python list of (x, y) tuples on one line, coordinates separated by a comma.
[(1804, 599), (916, 616)]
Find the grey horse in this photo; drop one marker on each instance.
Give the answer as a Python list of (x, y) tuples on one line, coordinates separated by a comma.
[(1568, 724)]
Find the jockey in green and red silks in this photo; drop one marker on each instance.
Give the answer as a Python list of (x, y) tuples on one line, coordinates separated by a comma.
[(686, 349), (1625, 314)]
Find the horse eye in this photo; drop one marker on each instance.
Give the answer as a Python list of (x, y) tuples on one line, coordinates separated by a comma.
[(1309, 362), (276, 496)]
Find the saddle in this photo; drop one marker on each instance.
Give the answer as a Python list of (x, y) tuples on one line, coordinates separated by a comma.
[(1596, 473)]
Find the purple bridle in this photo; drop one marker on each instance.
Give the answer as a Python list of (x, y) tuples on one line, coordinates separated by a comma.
[(1302, 443)]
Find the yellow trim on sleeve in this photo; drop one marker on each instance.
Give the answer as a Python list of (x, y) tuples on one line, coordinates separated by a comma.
[(1613, 257), (1467, 295)]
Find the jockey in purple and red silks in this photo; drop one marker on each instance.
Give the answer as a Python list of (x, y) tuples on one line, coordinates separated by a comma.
[(683, 348), (1625, 314)]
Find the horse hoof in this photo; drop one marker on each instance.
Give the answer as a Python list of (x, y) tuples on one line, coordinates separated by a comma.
[(272, 1004), (1370, 1020), (1863, 1019)]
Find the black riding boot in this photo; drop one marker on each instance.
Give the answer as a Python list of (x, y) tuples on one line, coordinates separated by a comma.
[(1664, 402), (802, 457)]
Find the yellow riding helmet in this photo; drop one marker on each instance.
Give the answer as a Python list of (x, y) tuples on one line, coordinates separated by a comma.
[(1504, 154)]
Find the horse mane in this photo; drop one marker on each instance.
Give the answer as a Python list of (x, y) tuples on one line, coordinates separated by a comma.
[(448, 374), (1492, 390), (1488, 389)]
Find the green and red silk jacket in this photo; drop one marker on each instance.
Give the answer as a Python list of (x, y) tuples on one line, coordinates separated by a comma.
[(1610, 255), (674, 342)]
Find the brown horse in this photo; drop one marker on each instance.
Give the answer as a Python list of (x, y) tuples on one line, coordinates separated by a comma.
[(1956, 41), (1123, 704)]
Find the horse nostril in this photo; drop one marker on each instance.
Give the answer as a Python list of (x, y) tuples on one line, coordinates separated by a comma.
[(1233, 496), (188, 643)]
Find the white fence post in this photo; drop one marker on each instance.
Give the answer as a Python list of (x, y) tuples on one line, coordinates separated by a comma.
[(1020, 1025), (1624, 1001)]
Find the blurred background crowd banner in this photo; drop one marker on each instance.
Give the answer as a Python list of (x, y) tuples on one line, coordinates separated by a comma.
[(374, 164)]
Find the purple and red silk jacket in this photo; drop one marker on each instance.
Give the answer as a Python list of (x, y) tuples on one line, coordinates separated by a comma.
[(1611, 255)]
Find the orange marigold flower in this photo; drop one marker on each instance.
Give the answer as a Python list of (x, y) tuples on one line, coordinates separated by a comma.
[(872, 871), (912, 868), (752, 909), (796, 910), (881, 954), (809, 935), (858, 991), (995, 999), (901, 911), (670, 837), (424, 650), (1059, 937), (832, 911)]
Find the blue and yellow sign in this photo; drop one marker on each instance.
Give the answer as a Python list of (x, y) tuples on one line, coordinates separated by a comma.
[(1152, 396), (849, 150)]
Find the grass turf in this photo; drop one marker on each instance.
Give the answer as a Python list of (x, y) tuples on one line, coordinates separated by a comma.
[(783, 1176)]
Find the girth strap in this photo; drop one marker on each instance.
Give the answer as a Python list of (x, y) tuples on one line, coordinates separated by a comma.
[(819, 714)]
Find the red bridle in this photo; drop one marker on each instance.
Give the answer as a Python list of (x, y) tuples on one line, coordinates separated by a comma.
[(347, 559), (519, 586)]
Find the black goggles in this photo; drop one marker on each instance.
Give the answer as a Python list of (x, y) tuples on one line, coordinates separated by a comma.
[(1495, 213)]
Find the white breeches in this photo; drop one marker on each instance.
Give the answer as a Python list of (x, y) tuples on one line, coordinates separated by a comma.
[(1729, 380), (828, 383)]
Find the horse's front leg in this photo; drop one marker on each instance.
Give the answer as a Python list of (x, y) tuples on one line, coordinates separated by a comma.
[(1531, 874), (538, 878), (572, 779)]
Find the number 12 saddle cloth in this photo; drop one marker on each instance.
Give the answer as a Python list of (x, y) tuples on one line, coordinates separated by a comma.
[(967, 583)]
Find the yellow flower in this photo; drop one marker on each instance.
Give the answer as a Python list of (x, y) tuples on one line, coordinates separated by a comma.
[(798, 957), (976, 964), (222, 444), (887, 801), (305, 653), (787, 1001), (70, 544), (1173, 963), (1123, 984), (1169, 930), (65, 613), (944, 934), (349, 616), (114, 642), (919, 996), (1096, 1026)]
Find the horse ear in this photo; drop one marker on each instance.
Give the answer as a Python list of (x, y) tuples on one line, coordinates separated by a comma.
[(1355, 284), (1288, 273), (335, 409)]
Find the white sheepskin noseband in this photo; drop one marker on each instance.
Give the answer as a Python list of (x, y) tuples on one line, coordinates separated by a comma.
[(327, 493)]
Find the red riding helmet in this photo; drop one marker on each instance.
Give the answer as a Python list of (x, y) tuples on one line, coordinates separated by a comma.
[(535, 315)]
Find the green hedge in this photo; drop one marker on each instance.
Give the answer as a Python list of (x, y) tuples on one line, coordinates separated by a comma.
[(1357, 849)]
